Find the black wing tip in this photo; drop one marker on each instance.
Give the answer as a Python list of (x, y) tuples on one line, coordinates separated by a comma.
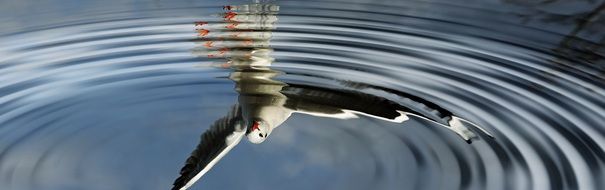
[(210, 145), (178, 183)]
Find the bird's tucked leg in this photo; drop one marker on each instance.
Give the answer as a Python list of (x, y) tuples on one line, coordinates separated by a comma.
[(455, 124)]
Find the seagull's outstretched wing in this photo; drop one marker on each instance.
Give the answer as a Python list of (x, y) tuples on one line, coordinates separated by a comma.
[(457, 125), (215, 143), (347, 104), (343, 104)]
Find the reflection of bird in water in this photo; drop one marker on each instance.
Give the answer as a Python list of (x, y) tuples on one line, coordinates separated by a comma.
[(265, 103)]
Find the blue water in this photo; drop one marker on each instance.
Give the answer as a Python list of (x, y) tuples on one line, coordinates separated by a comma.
[(115, 94)]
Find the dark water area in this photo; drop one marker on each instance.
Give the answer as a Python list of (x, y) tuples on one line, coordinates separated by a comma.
[(435, 94)]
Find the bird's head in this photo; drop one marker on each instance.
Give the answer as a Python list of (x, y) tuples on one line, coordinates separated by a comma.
[(258, 130)]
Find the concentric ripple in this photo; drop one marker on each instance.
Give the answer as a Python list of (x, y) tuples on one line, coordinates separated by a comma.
[(109, 95)]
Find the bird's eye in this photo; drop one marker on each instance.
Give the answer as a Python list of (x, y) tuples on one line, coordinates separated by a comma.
[(260, 135)]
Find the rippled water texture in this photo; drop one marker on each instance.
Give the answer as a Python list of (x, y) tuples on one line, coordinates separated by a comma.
[(115, 94)]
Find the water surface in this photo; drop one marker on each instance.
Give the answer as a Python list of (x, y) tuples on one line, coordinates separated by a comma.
[(115, 95)]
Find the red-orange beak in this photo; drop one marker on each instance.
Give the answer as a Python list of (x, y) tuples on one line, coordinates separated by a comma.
[(254, 126)]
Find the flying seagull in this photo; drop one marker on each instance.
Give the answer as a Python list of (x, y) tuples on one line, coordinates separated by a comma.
[(264, 104)]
